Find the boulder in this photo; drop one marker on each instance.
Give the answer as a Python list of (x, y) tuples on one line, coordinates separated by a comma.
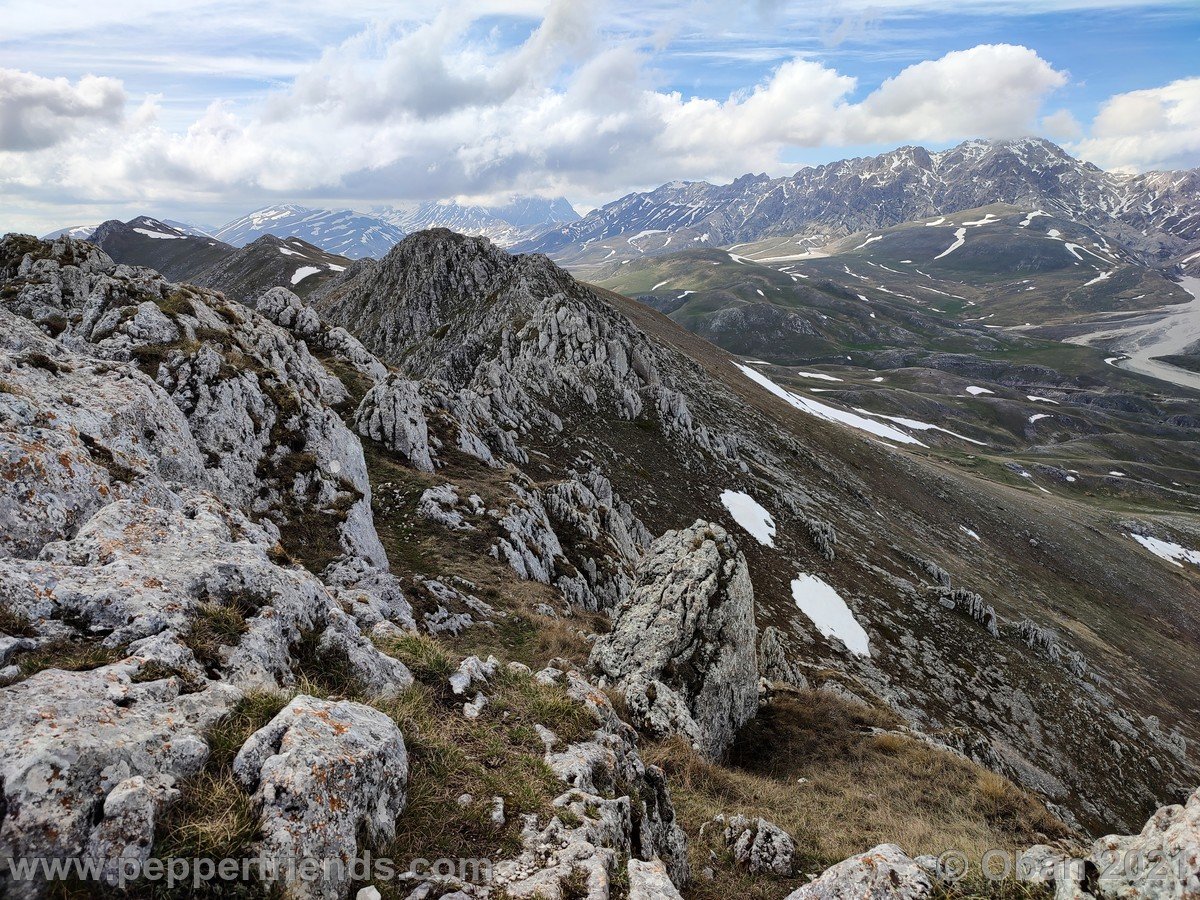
[(649, 881), (321, 773), (88, 759), (882, 873), (1161, 863), (682, 645), (760, 846)]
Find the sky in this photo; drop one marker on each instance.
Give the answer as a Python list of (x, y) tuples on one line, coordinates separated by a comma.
[(201, 110)]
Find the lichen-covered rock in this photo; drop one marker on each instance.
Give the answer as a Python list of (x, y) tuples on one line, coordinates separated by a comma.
[(323, 772), (1161, 863), (619, 808), (761, 846), (255, 399), (88, 759), (75, 434), (882, 873), (682, 645), (136, 571), (649, 881)]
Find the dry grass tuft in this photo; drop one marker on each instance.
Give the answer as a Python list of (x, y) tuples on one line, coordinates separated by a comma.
[(70, 655)]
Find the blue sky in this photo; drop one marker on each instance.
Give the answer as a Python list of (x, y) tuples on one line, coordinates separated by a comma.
[(205, 108)]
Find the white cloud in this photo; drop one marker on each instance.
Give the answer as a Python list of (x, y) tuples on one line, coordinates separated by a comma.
[(1061, 125), (993, 90), (36, 112), (1157, 128), (430, 112)]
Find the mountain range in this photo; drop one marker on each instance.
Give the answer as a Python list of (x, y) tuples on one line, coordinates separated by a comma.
[(356, 235), (1156, 215)]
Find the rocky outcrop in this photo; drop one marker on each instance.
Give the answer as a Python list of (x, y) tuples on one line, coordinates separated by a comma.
[(882, 873), (89, 759), (616, 807), (776, 661), (514, 340), (1160, 863), (135, 572), (392, 414), (321, 773), (163, 446), (682, 646), (761, 846), (255, 400), (286, 310)]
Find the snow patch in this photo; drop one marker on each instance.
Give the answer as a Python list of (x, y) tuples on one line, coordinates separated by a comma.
[(303, 272), (820, 376), (1169, 551), (749, 513), (828, 611), (960, 238), (158, 234), (829, 413), (976, 391)]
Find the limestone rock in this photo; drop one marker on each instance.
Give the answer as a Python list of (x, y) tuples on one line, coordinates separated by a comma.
[(682, 645), (392, 414), (882, 873), (649, 881), (761, 846), (134, 572), (322, 771), (87, 759), (1160, 863)]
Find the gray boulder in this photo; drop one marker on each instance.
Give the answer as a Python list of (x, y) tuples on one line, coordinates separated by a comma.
[(1161, 863), (88, 759), (761, 846), (649, 881), (882, 873), (682, 645), (321, 773)]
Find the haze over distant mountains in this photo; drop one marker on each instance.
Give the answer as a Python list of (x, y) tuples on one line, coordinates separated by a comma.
[(358, 235)]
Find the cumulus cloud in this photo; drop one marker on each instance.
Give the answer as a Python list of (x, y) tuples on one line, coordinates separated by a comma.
[(1157, 128), (993, 90), (37, 112), (436, 110)]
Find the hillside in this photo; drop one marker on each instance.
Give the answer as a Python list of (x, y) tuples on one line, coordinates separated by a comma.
[(270, 262), (148, 242), (475, 558)]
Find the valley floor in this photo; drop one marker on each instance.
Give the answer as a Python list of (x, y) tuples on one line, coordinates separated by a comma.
[(1142, 340)]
